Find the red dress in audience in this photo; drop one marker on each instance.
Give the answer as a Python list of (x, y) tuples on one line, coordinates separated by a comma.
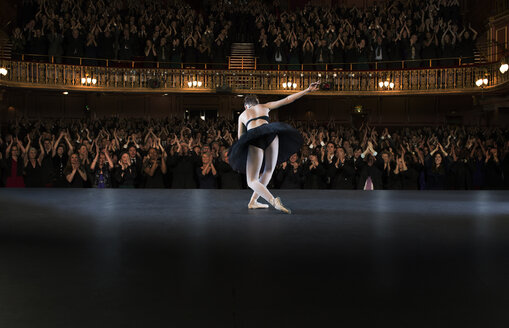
[(16, 178)]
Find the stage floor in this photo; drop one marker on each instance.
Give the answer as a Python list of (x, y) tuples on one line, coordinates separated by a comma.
[(200, 258)]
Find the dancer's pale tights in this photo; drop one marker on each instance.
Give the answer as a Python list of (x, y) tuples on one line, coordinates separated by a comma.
[(255, 181)]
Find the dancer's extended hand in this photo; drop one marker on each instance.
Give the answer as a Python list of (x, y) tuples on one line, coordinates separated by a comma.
[(314, 86)]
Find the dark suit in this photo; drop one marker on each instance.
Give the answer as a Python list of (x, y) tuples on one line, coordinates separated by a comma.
[(229, 179), (314, 178), (288, 179), (138, 165), (342, 176)]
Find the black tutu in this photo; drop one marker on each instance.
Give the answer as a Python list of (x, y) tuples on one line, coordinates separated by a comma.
[(290, 141)]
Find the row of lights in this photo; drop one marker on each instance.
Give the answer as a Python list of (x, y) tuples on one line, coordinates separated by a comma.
[(388, 85), (481, 83), (88, 80), (194, 84), (289, 85)]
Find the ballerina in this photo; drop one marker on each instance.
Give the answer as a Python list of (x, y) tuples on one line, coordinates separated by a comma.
[(264, 145)]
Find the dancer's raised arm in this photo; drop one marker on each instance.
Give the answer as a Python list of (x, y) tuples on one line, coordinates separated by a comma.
[(291, 98)]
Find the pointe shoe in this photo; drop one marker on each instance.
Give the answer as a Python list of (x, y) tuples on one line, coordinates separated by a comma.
[(280, 207), (256, 205)]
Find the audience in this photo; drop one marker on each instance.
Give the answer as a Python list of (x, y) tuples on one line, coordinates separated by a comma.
[(172, 153), (173, 32)]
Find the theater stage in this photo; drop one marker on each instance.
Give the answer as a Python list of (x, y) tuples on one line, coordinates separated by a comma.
[(197, 258)]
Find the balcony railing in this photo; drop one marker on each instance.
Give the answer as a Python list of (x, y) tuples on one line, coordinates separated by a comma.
[(139, 78)]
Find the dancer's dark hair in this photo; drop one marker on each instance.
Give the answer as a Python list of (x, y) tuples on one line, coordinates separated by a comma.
[(251, 100)]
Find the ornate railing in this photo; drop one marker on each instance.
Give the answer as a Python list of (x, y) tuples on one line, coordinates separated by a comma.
[(67, 77)]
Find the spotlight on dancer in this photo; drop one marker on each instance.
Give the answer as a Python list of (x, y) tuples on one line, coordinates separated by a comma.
[(263, 145)]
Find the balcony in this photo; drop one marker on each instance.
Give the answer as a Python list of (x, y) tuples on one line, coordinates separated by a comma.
[(135, 77)]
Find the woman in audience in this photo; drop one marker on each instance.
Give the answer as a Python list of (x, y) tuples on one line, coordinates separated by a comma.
[(437, 168), (154, 168), (33, 169), (101, 169), (75, 173), (125, 174), (13, 165)]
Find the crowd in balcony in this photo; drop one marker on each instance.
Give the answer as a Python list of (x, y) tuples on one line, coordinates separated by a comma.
[(395, 31), (173, 153), (171, 33)]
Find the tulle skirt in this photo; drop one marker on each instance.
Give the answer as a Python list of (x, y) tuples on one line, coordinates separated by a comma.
[(290, 141)]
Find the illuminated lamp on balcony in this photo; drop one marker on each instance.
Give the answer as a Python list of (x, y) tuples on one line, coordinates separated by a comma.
[(83, 80), (284, 85), (195, 83), (89, 80), (190, 84), (3, 71), (386, 85), (504, 67), (200, 83), (295, 85), (482, 82), (94, 81)]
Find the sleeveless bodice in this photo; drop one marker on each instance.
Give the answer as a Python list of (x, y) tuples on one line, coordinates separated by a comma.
[(256, 118)]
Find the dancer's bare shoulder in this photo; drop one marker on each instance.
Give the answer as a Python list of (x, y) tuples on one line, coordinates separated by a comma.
[(253, 112)]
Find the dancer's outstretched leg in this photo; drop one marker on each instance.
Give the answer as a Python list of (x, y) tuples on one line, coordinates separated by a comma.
[(253, 166), (271, 154)]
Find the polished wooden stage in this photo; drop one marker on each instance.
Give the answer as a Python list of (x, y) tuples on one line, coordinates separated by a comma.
[(200, 258)]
